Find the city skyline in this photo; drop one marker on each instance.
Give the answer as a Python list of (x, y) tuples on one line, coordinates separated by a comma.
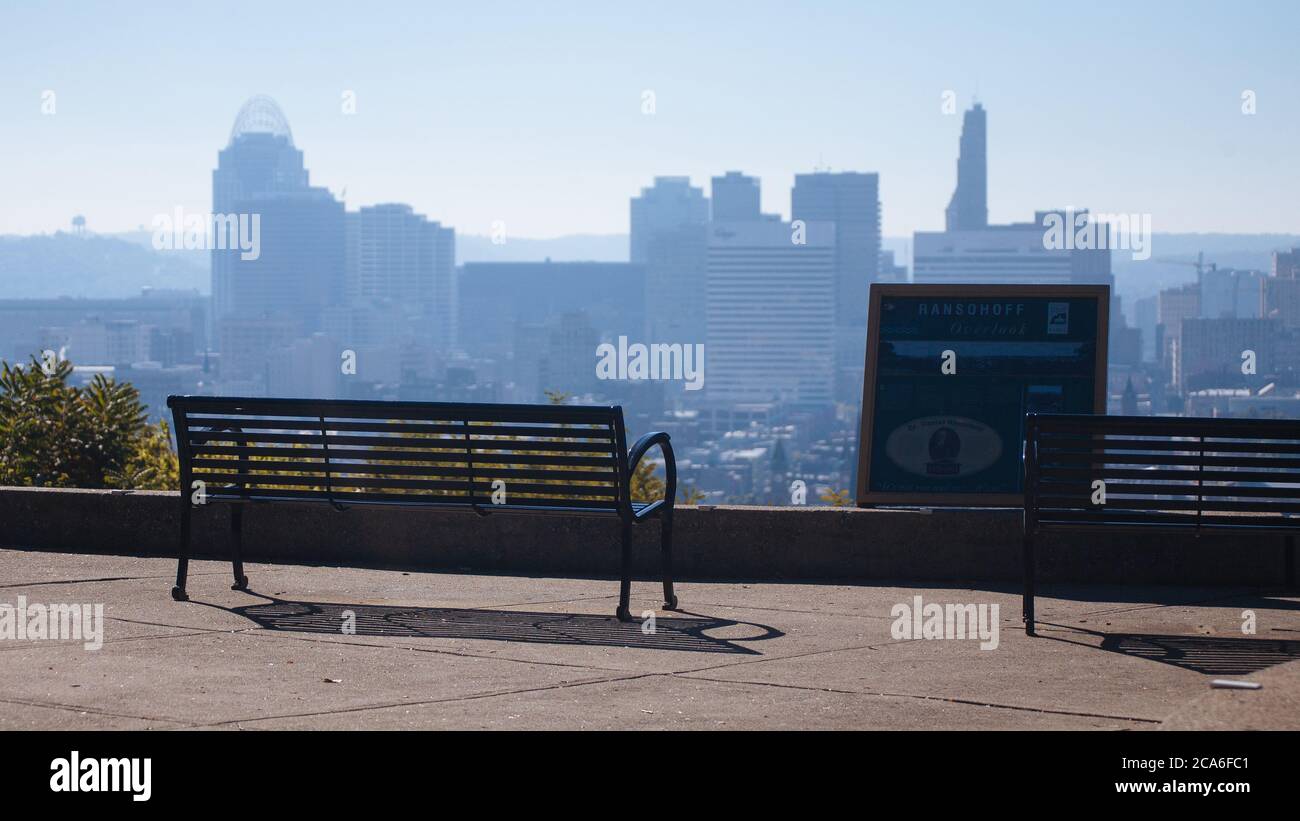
[(555, 147)]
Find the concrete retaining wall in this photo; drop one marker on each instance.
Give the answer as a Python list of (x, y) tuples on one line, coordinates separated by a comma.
[(717, 543)]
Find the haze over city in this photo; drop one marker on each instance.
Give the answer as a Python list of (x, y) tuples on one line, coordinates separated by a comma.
[(534, 116)]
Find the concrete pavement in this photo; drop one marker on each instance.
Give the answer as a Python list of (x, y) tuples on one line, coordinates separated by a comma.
[(462, 651)]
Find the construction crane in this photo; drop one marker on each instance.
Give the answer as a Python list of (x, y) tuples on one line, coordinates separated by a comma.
[(1199, 265)]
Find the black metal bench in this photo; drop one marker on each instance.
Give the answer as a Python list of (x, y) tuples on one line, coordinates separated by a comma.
[(1159, 474), (557, 459)]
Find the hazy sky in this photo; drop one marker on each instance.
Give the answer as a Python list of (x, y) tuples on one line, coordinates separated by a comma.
[(531, 113)]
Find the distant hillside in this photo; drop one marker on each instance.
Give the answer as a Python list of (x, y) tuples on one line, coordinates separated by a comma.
[(62, 264), (1137, 279)]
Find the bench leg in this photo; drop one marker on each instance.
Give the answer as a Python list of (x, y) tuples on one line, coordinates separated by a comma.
[(666, 523), (1290, 561), (183, 552), (1029, 584), (625, 584), (236, 546)]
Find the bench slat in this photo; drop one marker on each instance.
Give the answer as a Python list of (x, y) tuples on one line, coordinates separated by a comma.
[(339, 466), (1046, 502), (312, 409), (1048, 473), (562, 431), (483, 486), (1152, 522), (1209, 492), (414, 443), (1049, 458), (608, 463), (1084, 444), (1053, 424), (412, 499)]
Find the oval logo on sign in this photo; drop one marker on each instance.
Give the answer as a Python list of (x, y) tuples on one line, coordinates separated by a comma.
[(943, 446)]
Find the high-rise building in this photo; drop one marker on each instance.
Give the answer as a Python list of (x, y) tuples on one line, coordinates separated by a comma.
[(1008, 254), (396, 254), (299, 269), (675, 272), (1286, 264), (669, 236), (972, 251), (851, 200), (668, 204), (771, 314), (299, 265), (891, 271), (736, 197), (1173, 305), (1281, 291), (569, 365), (1231, 294), (968, 209)]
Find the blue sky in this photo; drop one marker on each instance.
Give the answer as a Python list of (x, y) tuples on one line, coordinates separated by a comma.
[(531, 113)]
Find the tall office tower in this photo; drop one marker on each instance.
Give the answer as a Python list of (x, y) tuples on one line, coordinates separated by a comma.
[(736, 197), (675, 272), (771, 314), (299, 264), (396, 254), (299, 269), (670, 237), (851, 200), (668, 204), (968, 209), (1009, 254), (1173, 305)]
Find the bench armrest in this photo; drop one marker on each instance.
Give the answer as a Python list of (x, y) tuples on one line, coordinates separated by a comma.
[(639, 449)]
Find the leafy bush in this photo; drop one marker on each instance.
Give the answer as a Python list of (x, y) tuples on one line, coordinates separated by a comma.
[(53, 434)]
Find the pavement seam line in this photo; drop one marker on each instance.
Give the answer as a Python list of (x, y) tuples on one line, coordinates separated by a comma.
[(262, 631), (422, 702), (949, 699), (54, 705), (30, 645)]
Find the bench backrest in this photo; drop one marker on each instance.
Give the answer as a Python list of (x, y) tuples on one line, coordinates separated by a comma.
[(1213, 474), (403, 453)]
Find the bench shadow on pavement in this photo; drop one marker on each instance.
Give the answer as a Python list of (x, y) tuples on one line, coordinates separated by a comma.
[(574, 629), (1209, 655)]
